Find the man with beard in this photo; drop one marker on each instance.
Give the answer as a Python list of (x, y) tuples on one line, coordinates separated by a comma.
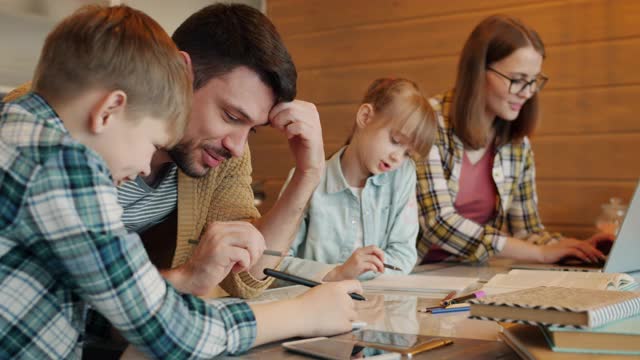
[(195, 210), (243, 78)]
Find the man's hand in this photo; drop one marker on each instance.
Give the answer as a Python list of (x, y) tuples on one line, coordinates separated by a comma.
[(300, 122), (224, 247)]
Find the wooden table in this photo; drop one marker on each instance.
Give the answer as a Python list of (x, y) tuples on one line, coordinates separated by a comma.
[(473, 339)]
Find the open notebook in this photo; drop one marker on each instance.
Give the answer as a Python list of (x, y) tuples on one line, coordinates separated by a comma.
[(523, 279), (420, 284)]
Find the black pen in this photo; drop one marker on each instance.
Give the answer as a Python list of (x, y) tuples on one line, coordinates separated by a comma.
[(302, 281), (391, 267)]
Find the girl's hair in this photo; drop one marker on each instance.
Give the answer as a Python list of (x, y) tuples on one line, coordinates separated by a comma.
[(404, 109), (495, 38)]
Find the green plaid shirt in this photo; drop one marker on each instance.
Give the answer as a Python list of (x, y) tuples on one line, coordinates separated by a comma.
[(63, 249), (438, 178)]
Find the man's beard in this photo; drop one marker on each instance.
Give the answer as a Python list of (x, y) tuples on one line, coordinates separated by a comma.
[(182, 155)]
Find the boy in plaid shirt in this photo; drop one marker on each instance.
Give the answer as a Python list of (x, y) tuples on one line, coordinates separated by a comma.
[(109, 89)]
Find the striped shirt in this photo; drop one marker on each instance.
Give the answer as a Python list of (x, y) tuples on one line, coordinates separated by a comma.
[(147, 205), (63, 247), (513, 173)]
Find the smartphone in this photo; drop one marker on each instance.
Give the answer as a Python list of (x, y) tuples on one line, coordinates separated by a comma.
[(406, 344), (332, 349)]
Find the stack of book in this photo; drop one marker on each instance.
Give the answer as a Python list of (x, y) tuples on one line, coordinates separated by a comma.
[(618, 337), (572, 320)]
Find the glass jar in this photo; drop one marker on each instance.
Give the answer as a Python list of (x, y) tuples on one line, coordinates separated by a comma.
[(611, 216)]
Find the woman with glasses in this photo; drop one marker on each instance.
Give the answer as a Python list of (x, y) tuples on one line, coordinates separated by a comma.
[(476, 189)]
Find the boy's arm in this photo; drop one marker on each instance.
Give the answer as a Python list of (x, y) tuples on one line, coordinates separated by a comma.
[(74, 205)]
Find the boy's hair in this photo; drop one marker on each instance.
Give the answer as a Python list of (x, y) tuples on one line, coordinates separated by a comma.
[(493, 39), (117, 48), (221, 37), (406, 110)]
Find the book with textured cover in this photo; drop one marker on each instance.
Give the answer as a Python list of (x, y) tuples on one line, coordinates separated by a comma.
[(549, 305)]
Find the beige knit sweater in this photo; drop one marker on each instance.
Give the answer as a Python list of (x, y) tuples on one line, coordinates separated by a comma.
[(223, 195)]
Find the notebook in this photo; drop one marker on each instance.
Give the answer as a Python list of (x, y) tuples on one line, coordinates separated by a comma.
[(529, 342), (549, 305), (421, 284), (618, 337), (523, 279)]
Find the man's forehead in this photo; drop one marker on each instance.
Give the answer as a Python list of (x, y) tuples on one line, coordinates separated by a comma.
[(248, 109), (243, 91)]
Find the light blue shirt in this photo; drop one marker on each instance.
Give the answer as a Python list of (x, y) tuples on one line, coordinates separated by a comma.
[(386, 212)]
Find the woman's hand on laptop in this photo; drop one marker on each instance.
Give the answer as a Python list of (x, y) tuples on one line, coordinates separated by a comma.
[(602, 241), (569, 247)]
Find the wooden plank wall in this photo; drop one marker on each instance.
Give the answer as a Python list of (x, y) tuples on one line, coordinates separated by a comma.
[(589, 136)]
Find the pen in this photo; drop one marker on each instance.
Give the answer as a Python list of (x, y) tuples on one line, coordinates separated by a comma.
[(302, 281), (391, 267), (474, 295), (451, 310), (273, 252), (450, 295), (458, 305), (265, 252), (429, 309)]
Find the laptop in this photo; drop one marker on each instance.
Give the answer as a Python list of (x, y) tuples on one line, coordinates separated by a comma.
[(624, 255)]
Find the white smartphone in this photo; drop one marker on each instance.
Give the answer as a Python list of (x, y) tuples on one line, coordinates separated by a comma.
[(332, 349)]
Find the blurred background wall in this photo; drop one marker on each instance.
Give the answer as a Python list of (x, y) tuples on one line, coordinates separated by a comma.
[(587, 143), (24, 24)]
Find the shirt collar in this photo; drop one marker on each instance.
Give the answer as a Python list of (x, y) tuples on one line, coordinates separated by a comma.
[(335, 178), (41, 109)]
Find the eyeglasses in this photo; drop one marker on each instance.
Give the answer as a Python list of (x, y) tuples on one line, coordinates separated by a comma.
[(517, 86)]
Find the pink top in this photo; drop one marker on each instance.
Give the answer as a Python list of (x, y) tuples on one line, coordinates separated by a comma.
[(476, 199)]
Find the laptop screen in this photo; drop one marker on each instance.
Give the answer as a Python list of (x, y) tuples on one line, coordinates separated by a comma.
[(625, 253)]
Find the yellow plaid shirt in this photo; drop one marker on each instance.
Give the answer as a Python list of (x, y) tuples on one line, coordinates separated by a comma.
[(438, 179)]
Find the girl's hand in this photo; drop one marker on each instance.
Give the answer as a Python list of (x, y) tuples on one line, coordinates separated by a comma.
[(368, 258)]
